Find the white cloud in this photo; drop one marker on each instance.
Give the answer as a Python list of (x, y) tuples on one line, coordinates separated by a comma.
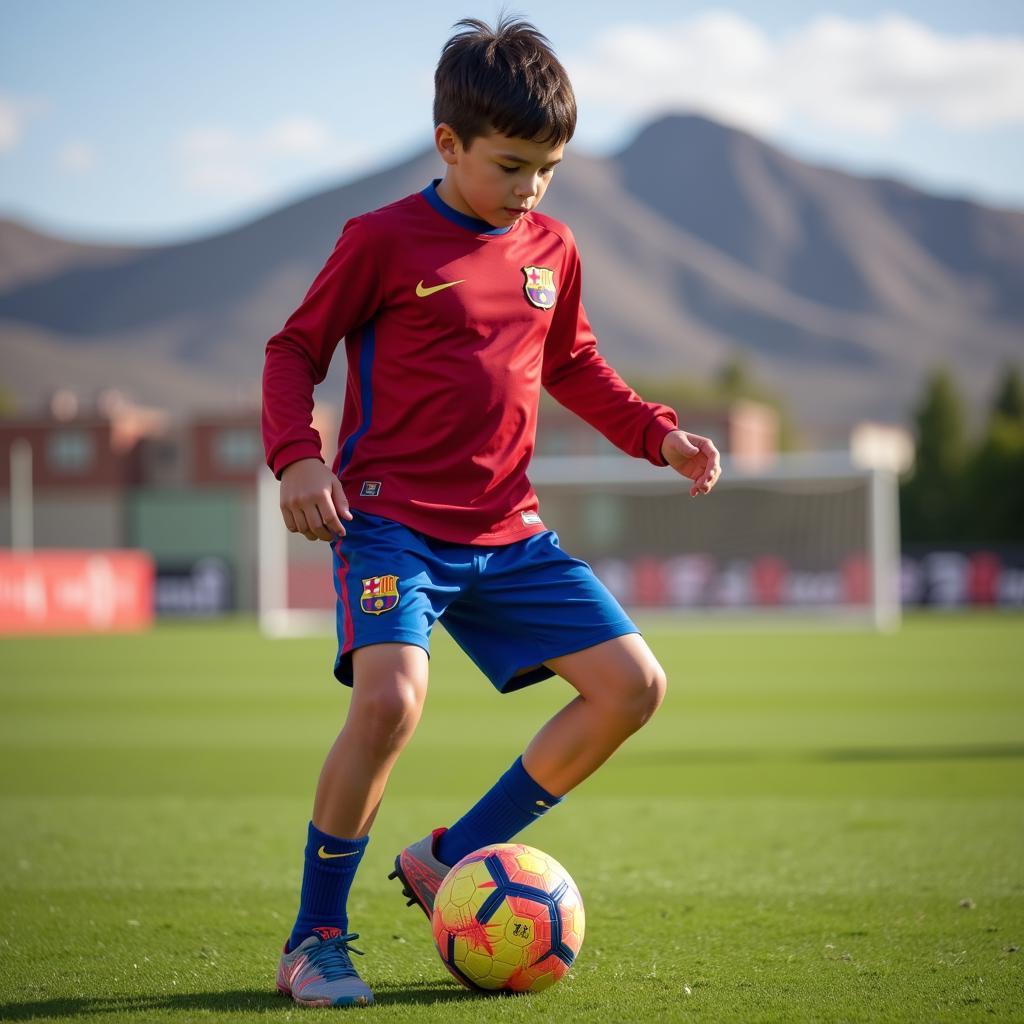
[(10, 127), (14, 115), (214, 161), (297, 135), (209, 143), (226, 178), (222, 161), (865, 77), (77, 158)]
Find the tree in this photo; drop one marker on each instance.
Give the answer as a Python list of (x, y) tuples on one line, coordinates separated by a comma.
[(932, 498), (995, 479), (1009, 397), (996, 484), (735, 380)]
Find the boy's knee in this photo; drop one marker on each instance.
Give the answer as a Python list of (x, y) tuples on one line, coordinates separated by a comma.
[(647, 689), (389, 713), (635, 691)]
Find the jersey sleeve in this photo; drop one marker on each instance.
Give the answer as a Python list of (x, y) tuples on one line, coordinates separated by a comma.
[(576, 374), (345, 294)]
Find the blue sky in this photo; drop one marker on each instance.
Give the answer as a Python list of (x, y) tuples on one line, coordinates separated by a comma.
[(152, 121)]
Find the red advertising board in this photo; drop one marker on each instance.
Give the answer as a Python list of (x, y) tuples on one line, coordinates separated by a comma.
[(75, 591)]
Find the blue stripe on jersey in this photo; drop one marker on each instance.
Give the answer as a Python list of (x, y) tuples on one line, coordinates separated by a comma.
[(474, 224), (369, 344)]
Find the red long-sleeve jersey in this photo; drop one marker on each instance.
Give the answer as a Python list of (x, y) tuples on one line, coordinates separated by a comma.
[(451, 327)]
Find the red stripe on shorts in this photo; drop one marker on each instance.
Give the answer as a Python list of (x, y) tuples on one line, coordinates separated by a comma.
[(342, 574)]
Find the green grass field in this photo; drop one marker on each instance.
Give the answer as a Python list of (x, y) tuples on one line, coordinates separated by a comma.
[(820, 826)]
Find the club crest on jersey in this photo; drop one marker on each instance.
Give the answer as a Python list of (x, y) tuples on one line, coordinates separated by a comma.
[(380, 594), (540, 286)]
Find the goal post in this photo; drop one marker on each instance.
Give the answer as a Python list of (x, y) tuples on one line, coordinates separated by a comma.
[(295, 593), (809, 536)]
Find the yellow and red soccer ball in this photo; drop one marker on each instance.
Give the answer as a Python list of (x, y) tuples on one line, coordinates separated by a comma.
[(508, 917)]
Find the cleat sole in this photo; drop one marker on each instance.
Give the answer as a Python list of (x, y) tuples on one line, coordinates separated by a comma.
[(411, 898)]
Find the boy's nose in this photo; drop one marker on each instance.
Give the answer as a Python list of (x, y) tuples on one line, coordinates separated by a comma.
[(527, 188)]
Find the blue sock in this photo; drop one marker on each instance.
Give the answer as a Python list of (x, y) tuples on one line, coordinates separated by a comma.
[(509, 806), (330, 867)]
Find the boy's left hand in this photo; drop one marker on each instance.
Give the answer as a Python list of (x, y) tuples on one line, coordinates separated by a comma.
[(694, 457)]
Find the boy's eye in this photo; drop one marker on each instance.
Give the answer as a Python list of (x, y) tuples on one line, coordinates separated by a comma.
[(512, 170)]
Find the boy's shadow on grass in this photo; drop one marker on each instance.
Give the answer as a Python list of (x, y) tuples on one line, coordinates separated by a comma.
[(423, 993)]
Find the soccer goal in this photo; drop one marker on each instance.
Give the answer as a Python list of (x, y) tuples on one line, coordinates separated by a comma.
[(810, 536)]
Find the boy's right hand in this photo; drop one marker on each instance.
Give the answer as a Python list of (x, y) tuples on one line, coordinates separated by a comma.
[(313, 502)]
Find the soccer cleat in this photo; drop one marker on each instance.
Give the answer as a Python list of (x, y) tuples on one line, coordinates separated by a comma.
[(319, 971), (420, 872)]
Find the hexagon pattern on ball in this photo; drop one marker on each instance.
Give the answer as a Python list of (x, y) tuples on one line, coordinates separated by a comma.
[(508, 917)]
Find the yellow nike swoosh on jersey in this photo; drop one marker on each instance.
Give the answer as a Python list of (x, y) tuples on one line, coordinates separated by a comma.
[(324, 855), (422, 291)]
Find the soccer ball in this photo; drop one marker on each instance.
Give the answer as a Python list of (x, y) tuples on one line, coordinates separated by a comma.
[(508, 917)]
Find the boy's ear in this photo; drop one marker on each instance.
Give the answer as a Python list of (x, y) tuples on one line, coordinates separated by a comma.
[(447, 143)]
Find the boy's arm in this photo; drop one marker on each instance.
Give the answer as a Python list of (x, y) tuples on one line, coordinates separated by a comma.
[(576, 374), (345, 294)]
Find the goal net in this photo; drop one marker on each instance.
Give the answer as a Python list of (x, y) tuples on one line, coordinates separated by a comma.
[(812, 536)]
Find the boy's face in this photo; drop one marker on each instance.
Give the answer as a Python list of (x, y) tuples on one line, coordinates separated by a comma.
[(498, 178)]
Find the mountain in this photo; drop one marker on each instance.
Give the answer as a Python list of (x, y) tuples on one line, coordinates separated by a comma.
[(27, 255), (697, 240), (857, 244)]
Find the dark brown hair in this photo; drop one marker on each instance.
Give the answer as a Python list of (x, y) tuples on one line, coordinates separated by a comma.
[(507, 79)]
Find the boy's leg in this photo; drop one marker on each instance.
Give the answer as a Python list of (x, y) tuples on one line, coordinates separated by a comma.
[(387, 700), (620, 685)]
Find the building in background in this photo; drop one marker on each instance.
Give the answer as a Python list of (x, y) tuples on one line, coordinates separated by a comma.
[(111, 474), (747, 432)]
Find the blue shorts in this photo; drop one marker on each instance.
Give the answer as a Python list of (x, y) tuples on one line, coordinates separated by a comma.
[(510, 608)]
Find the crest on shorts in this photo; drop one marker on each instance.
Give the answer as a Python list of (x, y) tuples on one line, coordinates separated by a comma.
[(540, 286), (380, 594)]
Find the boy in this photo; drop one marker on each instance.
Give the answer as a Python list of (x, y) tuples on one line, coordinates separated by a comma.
[(456, 304)]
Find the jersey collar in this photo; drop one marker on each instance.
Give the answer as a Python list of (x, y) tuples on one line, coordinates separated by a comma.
[(474, 224)]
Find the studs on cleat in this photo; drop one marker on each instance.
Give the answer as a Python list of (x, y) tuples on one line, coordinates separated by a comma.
[(411, 899)]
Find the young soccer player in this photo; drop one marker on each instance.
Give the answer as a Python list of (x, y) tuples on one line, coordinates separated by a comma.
[(457, 304)]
